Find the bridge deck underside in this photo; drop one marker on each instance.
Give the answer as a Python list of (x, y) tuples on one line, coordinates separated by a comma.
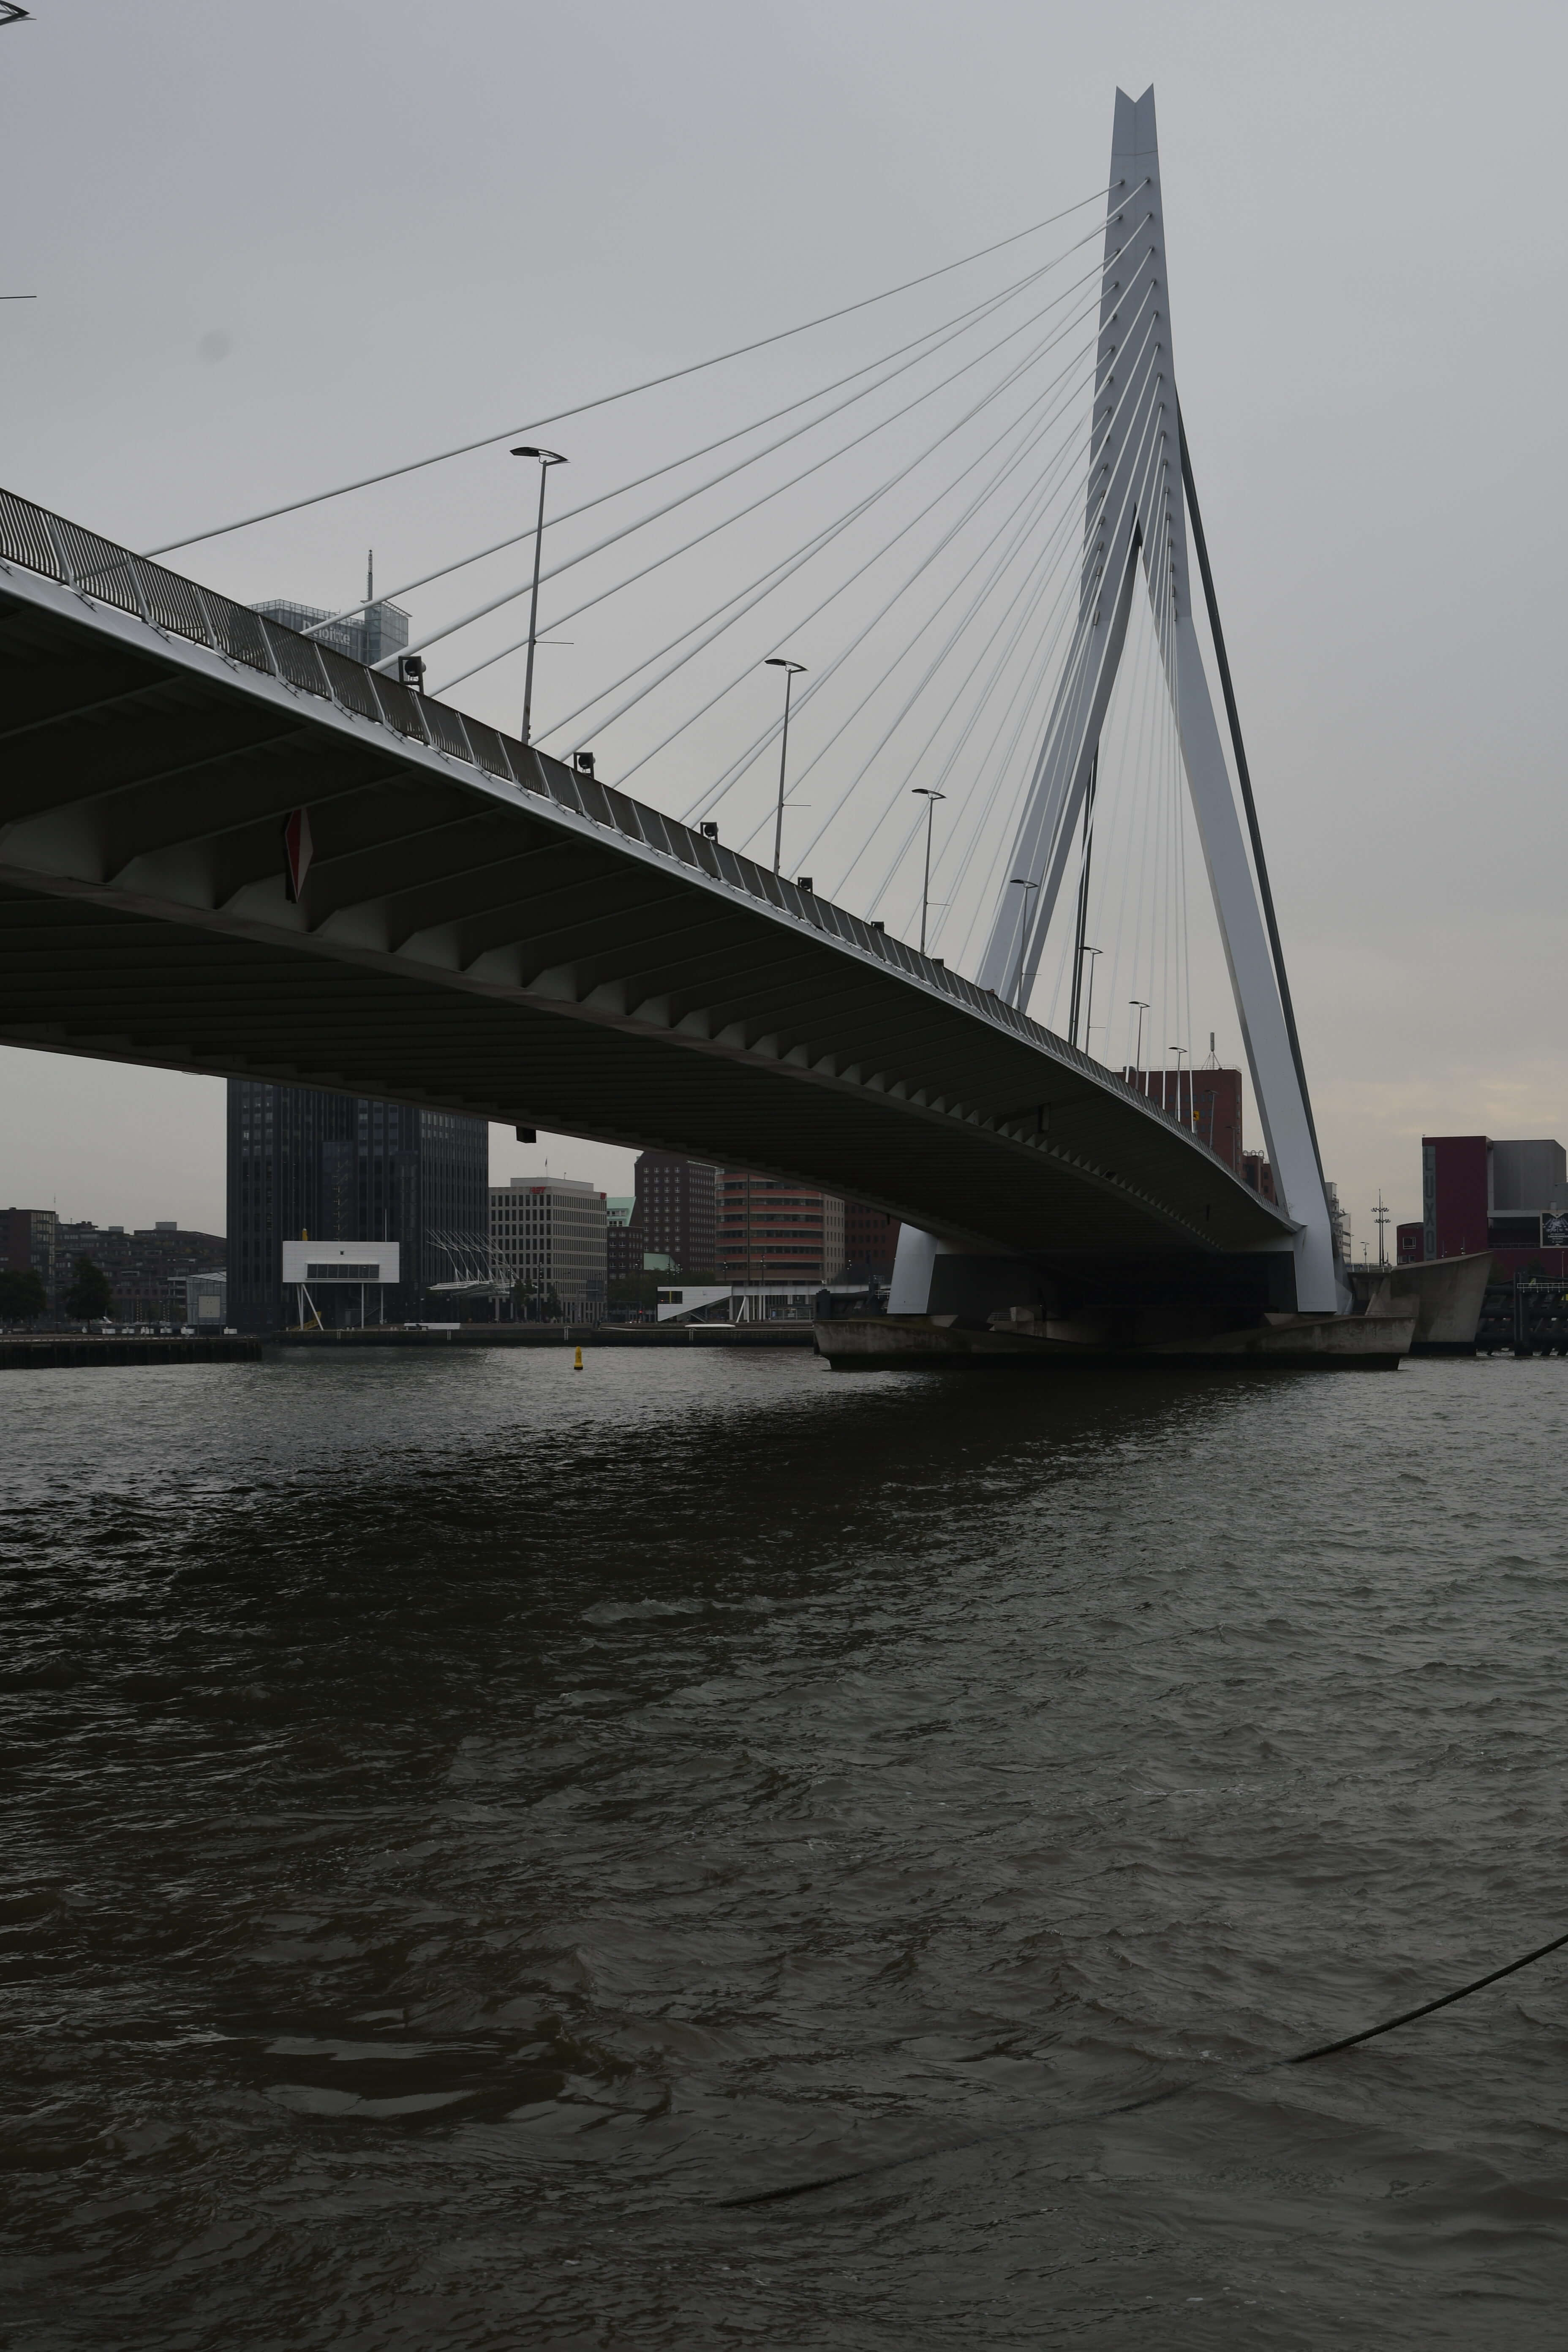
[(468, 943)]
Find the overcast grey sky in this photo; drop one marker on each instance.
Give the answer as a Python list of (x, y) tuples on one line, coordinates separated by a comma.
[(275, 246)]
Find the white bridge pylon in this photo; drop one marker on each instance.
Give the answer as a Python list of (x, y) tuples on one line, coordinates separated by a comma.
[(1135, 520)]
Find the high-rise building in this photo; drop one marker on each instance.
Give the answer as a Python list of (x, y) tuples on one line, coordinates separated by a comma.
[(306, 1163), (27, 1244), (623, 1237), (548, 1232), (370, 636), (772, 1231), (677, 1208)]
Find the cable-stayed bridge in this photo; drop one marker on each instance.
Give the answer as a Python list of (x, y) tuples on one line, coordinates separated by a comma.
[(228, 845)]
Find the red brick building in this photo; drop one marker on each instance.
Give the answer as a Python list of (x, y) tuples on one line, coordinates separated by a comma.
[(677, 1209), (1207, 1100), (871, 1239), (772, 1230), (1478, 1194)]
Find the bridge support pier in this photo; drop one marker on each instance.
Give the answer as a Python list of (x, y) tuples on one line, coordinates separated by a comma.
[(1115, 1299)]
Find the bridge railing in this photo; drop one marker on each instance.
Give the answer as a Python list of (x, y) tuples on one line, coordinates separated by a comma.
[(102, 572)]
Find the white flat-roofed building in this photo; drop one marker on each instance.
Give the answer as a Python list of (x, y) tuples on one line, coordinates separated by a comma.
[(548, 1232), (310, 1268)]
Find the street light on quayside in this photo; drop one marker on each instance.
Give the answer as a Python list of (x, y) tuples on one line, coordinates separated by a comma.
[(792, 670), (547, 457)]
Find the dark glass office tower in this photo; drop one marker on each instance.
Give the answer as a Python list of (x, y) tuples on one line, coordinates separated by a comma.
[(304, 1162)]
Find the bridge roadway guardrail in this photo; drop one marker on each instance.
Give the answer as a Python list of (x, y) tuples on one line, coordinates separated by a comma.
[(99, 571)]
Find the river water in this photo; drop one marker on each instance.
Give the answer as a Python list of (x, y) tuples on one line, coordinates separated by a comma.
[(468, 1820)]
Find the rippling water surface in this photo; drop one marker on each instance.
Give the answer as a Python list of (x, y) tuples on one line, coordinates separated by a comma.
[(469, 1820)]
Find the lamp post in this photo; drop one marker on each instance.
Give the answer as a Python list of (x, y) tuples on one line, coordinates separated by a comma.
[(1089, 1001), (1178, 1051), (792, 670), (547, 457), (928, 794), (1141, 1003), (1022, 882)]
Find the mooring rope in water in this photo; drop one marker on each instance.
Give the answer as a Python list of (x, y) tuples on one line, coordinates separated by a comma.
[(1149, 2098)]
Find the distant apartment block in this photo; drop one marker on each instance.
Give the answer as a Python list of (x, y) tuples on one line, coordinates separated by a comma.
[(677, 1210), (28, 1241), (147, 1268), (548, 1232), (773, 1231)]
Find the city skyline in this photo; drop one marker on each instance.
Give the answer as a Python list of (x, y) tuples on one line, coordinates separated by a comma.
[(1396, 808)]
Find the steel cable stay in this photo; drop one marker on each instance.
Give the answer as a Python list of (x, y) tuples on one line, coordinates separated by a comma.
[(1047, 343), (1148, 757), (1069, 689), (947, 768), (1147, 461), (715, 794), (1108, 796), (1012, 376), (1036, 577), (1039, 493), (1096, 828), (1032, 499), (1152, 764), (1078, 682), (1123, 806), (510, 595), (708, 797), (1177, 962), (1045, 683), (789, 563), (713, 791), (1044, 561), (1041, 677), (998, 671), (935, 337), (1035, 683), (651, 383)]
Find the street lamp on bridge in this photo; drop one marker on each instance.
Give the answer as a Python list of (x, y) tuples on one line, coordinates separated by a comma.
[(547, 457), (1022, 882), (928, 794), (1089, 1001), (792, 670), (1141, 1005)]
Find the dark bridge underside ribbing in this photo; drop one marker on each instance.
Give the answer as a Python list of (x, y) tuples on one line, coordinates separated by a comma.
[(473, 935)]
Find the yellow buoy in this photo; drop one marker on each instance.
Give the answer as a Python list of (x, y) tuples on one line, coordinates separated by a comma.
[(578, 1365)]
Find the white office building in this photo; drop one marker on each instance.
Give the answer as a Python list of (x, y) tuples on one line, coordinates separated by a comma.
[(548, 1232)]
